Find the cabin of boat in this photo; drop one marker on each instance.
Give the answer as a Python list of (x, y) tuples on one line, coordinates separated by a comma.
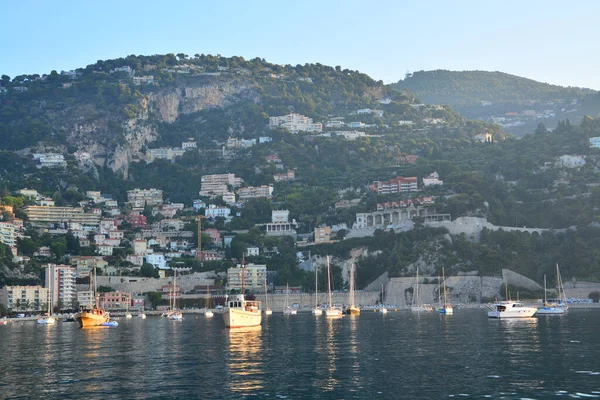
[(511, 309)]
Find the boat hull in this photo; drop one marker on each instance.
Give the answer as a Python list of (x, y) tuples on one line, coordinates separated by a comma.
[(446, 310), (524, 312), (86, 319), (550, 311), (317, 311), (353, 311), (290, 311), (333, 313), (46, 321), (235, 318)]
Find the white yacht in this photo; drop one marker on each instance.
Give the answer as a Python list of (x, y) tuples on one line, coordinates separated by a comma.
[(511, 309), (239, 313)]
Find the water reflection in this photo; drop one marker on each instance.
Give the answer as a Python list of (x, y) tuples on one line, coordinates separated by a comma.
[(330, 382), (245, 362)]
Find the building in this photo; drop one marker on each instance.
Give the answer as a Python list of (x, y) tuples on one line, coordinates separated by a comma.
[(323, 234), (265, 139), (421, 201), (212, 255), (351, 135), (112, 300), (140, 246), (105, 249), (295, 123), (60, 280), (432, 179), (228, 197), (483, 138), (214, 211), (50, 160), (61, 214), (288, 176), (409, 159), (214, 234), (143, 80), (398, 184), (280, 216), (190, 144), (386, 217), (86, 298), (24, 298), (84, 265), (569, 161), (164, 153), (252, 192), (143, 197), (198, 205), (334, 124), (252, 251), (595, 142), (137, 220), (356, 125), (273, 159), (280, 225), (157, 260), (217, 185), (254, 277), (8, 234)]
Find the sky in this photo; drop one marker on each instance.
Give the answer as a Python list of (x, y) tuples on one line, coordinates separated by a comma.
[(549, 41)]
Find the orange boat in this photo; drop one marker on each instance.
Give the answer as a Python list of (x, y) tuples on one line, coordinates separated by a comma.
[(93, 315)]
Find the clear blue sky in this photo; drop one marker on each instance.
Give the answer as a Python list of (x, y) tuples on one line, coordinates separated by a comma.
[(550, 41)]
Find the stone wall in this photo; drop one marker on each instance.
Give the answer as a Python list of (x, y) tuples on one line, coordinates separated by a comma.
[(306, 301), (136, 284)]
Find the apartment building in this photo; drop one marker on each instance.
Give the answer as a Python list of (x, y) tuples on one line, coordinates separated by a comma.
[(295, 123), (24, 297), (398, 184), (60, 280), (61, 214), (143, 197), (252, 192), (254, 276), (217, 185)]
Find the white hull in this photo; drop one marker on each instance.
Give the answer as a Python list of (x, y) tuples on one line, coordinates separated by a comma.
[(448, 310), (333, 313), (209, 314), (235, 318), (511, 309), (420, 309), (128, 315), (268, 311), (46, 321), (142, 316), (176, 316), (317, 311), (290, 311), (383, 310)]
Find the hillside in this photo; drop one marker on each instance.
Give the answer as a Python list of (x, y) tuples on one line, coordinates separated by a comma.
[(517, 103)]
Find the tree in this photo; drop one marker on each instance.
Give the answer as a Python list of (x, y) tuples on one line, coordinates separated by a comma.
[(149, 271), (105, 289), (541, 128)]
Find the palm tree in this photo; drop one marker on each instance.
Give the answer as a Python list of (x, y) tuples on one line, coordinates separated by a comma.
[(18, 304)]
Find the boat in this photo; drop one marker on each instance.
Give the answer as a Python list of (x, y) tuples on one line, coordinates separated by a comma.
[(382, 309), (352, 309), (93, 315), (69, 318), (142, 315), (239, 312), (446, 308), (48, 318), (555, 308), (268, 311), (416, 302), (110, 323), (175, 314), (287, 310), (4, 321), (511, 309), (332, 311), (316, 310), (208, 313)]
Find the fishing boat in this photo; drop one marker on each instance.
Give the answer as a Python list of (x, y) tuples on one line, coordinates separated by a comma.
[(93, 315), (239, 312), (287, 310), (268, 311), (446, 308), (208, 313), (382, 309), (48, 319), (316, 310), (352, 309), (511, 309), (332, 311), (416, 300), (555, 308), (175, 314)]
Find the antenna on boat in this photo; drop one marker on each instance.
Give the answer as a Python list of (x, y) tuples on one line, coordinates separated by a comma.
[(243, 260)]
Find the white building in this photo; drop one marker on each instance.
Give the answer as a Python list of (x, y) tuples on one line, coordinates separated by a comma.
[(295, 123), (595, 142), (569, 161), (252, 251), (8, 234), (432, 179), (143, 197), (50, 160), (217, 185), (265, 139), (280, 216), (334, 124), (157, 260), (189, 145), (252, 192), (143, 80), (60, 280), (214, 211)]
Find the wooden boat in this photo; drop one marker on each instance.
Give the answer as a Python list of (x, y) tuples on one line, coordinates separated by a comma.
[(93, 315)]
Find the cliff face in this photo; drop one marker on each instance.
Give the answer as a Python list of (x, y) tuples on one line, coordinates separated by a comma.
[(117, 140)]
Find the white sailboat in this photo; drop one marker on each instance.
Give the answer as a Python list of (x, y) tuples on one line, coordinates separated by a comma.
[(416, 302), (332, 311), (208, 312), (316, 310), (48, 319), (287, 310), (268, 311), (447, 308), (352, 308), (382, 308), (175, 314), (555, 309)]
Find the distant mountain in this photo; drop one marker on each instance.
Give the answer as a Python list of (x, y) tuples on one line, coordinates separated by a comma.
[(517, 103)]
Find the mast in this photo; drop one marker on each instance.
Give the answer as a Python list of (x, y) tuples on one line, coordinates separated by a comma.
[(96, 287), (243, 259), (316, 280), (50, 284), (352, 285), (266, 295), (329, 282), (208, 300), (287, 290), (545, 301), (417, 285), (444, 278), (174, 289), (91, 290), (382, 302), (439, 291)]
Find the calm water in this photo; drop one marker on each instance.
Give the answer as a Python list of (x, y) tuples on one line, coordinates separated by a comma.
[(395, 356)]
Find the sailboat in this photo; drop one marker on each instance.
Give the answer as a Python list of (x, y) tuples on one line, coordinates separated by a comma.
[(239, 312), (268, 311), (93, 315), (553, 309), (382, 308), (416, 304), (316, 310), (48, 319), (175, 314), (447, 308), (332, 311), (127, 313), (287, 310), (352, 309), (208, 313)]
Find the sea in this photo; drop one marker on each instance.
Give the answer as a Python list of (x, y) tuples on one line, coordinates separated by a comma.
[(399, 355)]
